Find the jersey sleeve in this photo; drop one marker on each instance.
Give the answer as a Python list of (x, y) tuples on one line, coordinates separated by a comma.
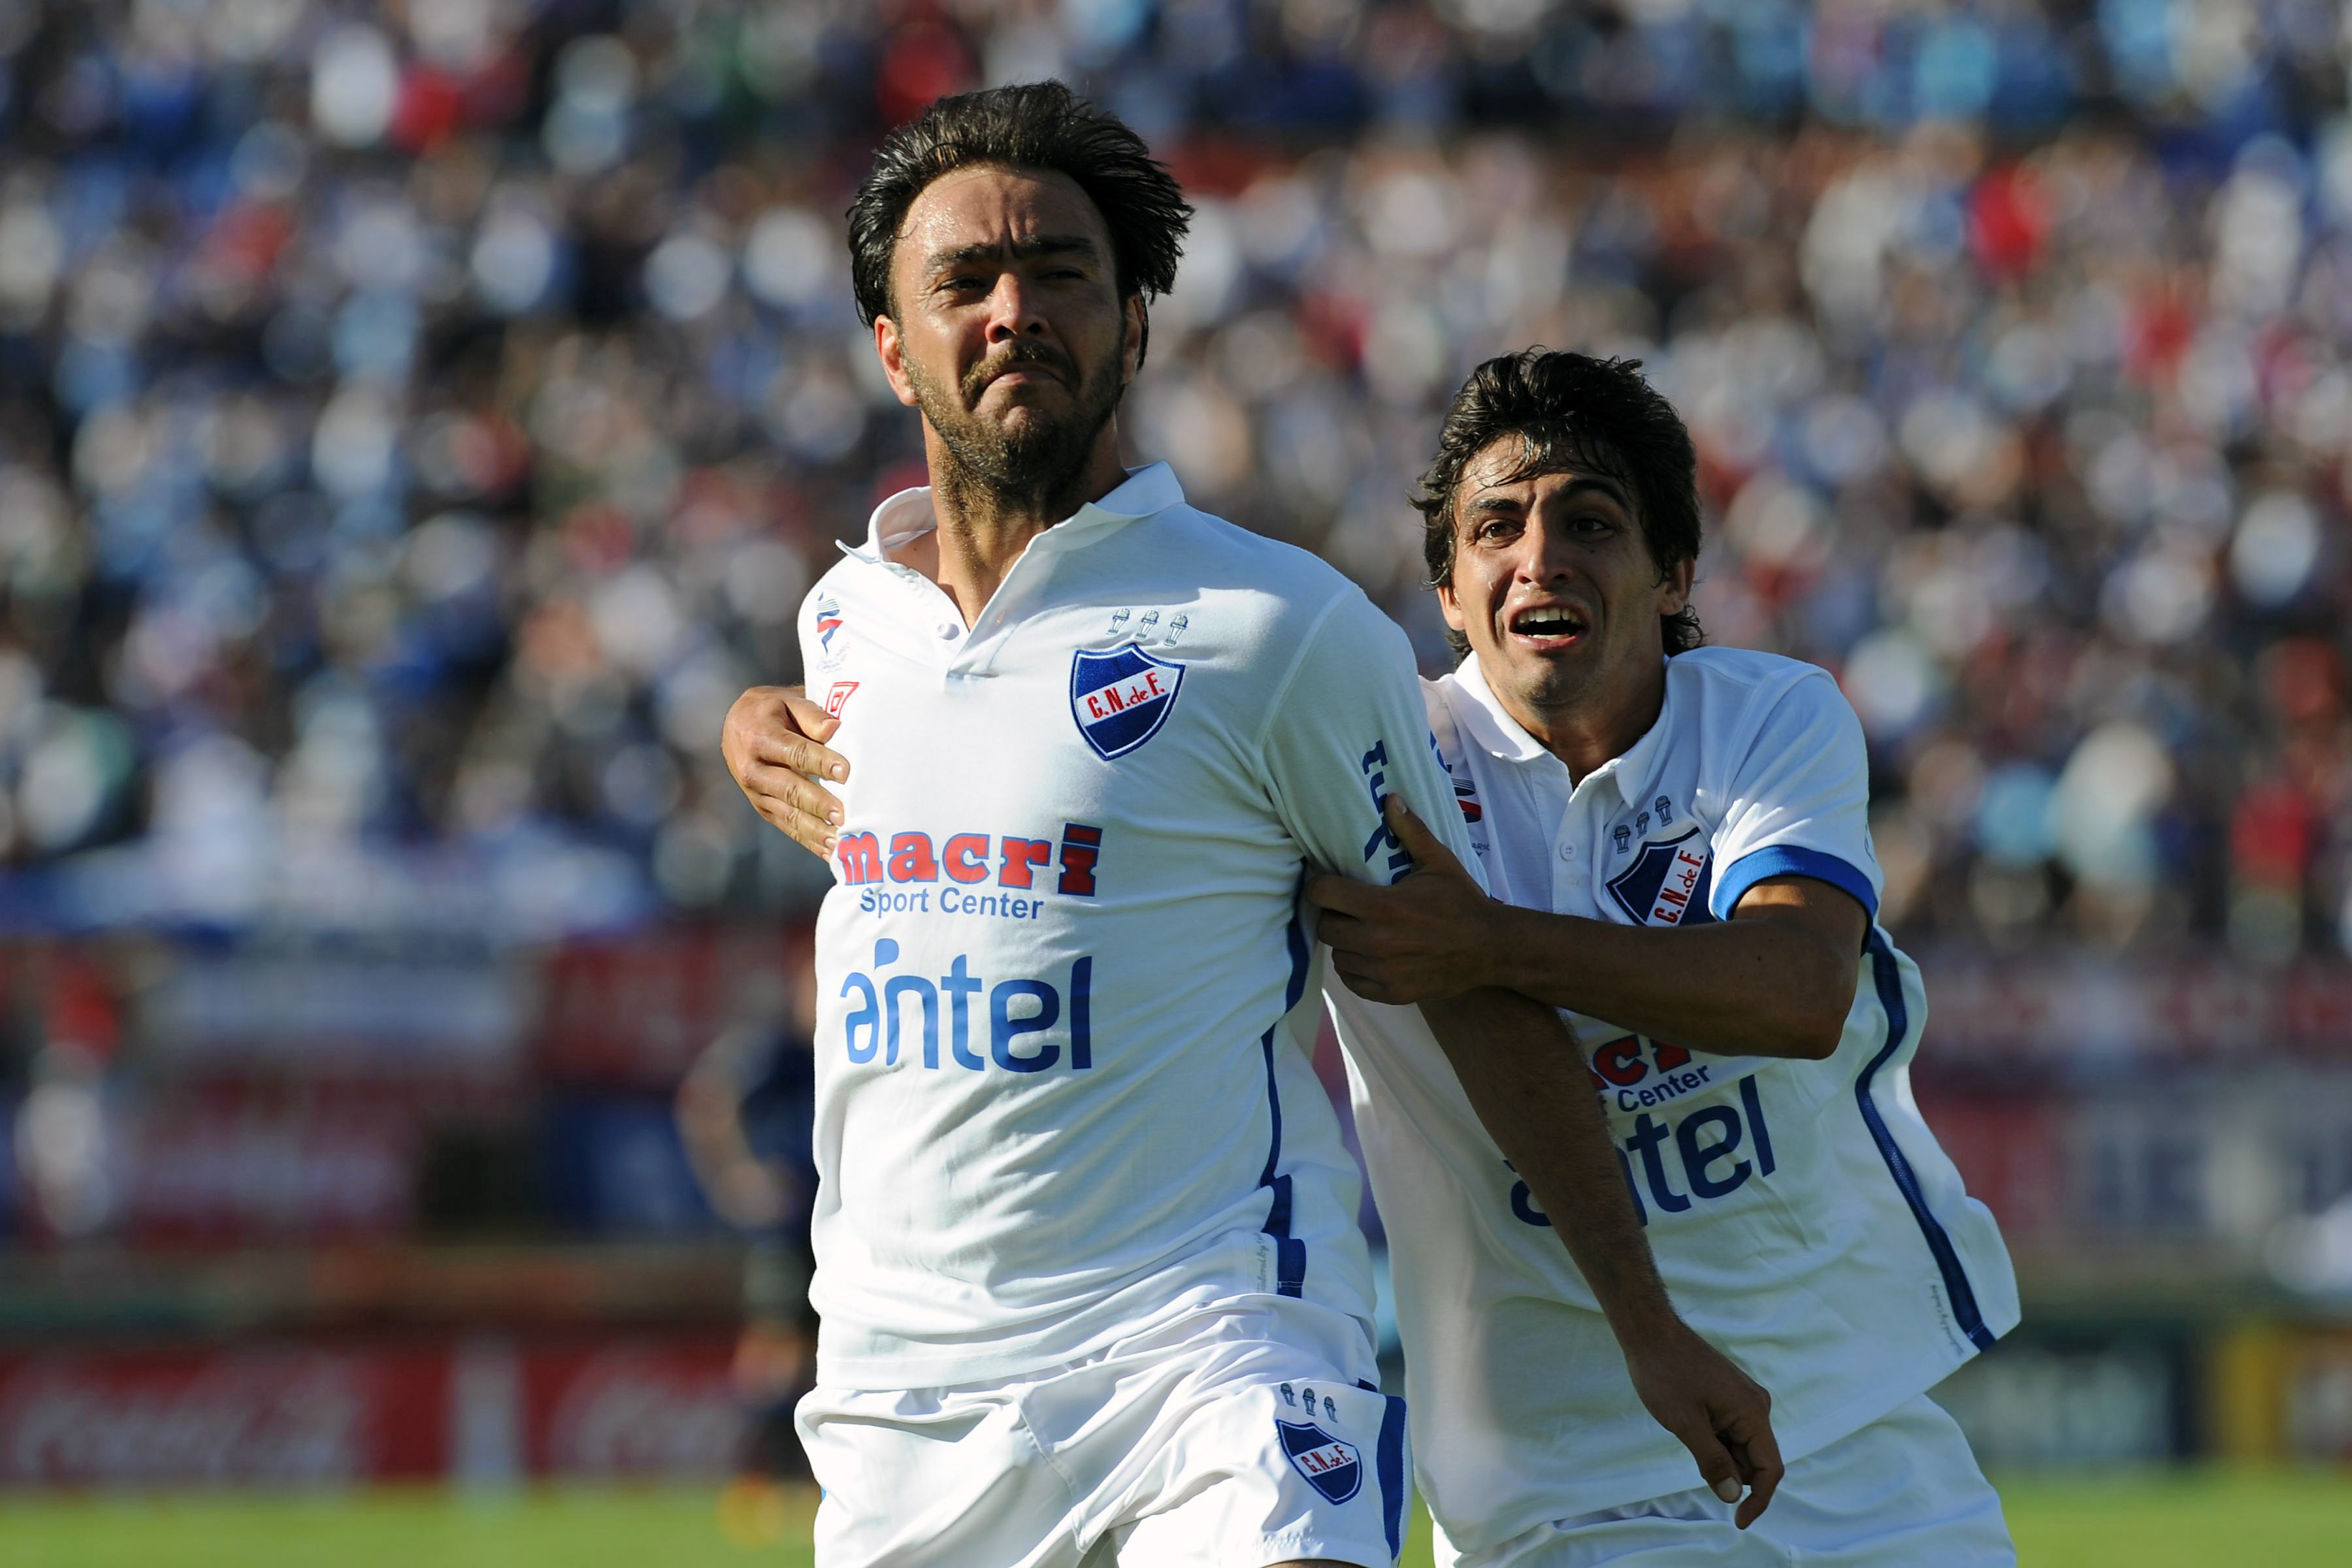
[(1348, 729), (1799, 803)]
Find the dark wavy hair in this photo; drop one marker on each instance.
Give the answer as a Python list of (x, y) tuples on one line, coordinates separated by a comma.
[(1571, 411), (1042, 125)]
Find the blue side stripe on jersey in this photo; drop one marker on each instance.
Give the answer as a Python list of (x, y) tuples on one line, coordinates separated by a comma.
[(1299, 954), (1963, 1295), (1289, 1252), (1392, 1473)]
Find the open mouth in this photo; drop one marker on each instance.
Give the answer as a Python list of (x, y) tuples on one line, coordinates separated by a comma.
[(1543, 626)]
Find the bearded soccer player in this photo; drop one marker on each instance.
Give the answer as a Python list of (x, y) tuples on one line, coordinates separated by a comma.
[(1088, 1274), (1676, 838)]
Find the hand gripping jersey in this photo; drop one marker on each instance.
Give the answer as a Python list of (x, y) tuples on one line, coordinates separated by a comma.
[(1058, 1094), (1801, 1213)]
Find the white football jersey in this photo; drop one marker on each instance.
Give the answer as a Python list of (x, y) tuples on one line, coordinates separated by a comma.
[(1802, 1216), (1060, 1088)]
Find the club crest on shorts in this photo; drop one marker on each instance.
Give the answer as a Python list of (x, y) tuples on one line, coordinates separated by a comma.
[(1121, 698), (1331, 1465), (1668, 883)]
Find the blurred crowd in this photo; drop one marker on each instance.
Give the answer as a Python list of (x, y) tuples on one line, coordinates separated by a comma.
[(418, 421)]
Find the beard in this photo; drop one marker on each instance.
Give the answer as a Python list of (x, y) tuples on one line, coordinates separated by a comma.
[(1032, 466)]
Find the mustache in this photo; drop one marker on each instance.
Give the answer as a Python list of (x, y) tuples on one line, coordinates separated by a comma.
[(1024, 352)]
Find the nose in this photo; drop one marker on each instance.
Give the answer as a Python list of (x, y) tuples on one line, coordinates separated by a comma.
[(1544, 553), (1014, 309)]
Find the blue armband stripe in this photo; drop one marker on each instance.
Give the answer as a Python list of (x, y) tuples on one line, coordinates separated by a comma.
[(1790, 861)]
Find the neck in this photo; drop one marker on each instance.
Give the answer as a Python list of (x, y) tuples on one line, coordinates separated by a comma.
[(1588, 728), (983, 529)]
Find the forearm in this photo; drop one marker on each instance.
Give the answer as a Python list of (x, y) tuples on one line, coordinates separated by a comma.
[(708, 1131), (1526, 1080), (1754, 987)]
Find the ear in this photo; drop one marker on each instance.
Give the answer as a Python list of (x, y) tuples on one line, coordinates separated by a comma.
[(1674, 587), (1451, 607), (889, 349), (1134, 334)]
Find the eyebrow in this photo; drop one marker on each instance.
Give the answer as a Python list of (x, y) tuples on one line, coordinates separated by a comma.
[(1599, 483), (1020, 249)]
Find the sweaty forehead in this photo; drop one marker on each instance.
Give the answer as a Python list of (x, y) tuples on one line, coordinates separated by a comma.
[(1523, 466), (992, 204)]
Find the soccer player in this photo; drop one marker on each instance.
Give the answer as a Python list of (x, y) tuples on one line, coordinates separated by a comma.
[(1088, 1275), (1677, 843)]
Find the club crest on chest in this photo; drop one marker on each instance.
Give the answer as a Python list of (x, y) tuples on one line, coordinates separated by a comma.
[(1120, 699), (1668, 883)]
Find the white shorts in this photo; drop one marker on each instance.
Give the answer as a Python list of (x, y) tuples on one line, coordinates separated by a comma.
[(1240, 1435), (1903, 1492)]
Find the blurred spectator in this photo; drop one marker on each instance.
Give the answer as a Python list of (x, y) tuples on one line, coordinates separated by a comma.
[(744, 1111), (418, 423)]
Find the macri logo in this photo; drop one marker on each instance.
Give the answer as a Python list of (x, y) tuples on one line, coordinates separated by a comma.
[(966, 857)]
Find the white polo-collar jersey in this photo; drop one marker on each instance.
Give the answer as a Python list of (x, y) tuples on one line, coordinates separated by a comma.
[(1060, 1088), (1802, 1216)]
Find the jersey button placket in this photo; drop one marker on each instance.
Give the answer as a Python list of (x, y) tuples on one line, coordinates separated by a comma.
[(992, 628), (1570, 874)]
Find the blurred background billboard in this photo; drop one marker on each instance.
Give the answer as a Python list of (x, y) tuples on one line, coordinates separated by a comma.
[(418, 421)]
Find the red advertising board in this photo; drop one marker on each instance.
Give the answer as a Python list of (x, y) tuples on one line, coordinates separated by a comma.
[(2081, 1011), (241, 1417), (638, 1408), (645, 1406), (635, 1012), (240, 1162), (2008, 1152)]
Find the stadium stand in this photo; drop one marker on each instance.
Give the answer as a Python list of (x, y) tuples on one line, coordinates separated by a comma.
[(416, 423)]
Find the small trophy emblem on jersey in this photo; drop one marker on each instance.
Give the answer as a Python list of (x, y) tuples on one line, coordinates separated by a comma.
[(1331, 1465), (1120, 699), (1176, 624)]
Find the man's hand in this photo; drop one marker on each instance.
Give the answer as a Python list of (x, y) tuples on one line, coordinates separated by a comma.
[(1525, 1079), (770, 742), (1425, 939), (1714, 1409)]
